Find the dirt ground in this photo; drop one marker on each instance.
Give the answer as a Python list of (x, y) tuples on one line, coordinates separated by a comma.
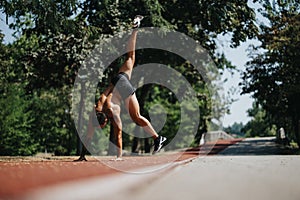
[(19, 175)]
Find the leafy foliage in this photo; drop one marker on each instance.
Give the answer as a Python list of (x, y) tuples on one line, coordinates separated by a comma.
[(273, 75), (16, 122), (54, 37), (236, 129), (259, 125)]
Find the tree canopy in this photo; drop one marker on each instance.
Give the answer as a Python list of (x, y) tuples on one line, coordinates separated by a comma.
[(54, 37), (273, 74)]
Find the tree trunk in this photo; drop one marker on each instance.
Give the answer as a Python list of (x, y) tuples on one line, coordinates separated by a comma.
[(147, 145), (134, 147), (297, 131), (296, 127)]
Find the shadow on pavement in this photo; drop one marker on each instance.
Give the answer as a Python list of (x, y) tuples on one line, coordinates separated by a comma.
[(257, 146), (212, 148)]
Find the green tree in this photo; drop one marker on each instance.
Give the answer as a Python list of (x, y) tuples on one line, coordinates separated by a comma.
[(17, 119), (273, 75), (16, 122), (50, 45), (52, 126), (55, 37), (236, 129), (259, 125)]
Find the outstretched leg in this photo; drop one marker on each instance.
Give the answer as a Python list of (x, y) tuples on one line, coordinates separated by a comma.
[(129, 62), (126, 68)]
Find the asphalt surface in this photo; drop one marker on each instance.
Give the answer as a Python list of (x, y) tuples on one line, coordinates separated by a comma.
[(256, 147), (25, 176), (251, 169)]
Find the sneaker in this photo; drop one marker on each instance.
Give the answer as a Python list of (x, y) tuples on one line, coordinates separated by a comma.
[(137, 21), (158, 144)]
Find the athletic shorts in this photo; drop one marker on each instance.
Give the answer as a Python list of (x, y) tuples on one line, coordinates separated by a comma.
[(123, 85)]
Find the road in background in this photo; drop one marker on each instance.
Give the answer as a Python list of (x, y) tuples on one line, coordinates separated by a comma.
[(257, 147)]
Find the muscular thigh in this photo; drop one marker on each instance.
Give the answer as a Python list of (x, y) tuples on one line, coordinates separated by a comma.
[(132, 105)]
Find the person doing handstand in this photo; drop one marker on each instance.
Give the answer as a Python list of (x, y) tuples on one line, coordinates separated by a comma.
[(120, 88)]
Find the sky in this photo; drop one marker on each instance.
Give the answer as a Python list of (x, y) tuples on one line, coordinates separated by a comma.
[(238, 109), (237, 56)]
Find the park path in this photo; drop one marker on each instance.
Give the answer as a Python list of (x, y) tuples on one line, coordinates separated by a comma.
[(21, 176), (253, 169), (256, 147), (235, 173)]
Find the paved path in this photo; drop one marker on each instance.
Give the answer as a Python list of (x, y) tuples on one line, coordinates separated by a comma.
[(24, 176), (232, 178), (241, 174), (246, 170), (256, 146)]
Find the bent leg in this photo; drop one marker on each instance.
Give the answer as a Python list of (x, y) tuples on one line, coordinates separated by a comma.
[(133, 108)]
